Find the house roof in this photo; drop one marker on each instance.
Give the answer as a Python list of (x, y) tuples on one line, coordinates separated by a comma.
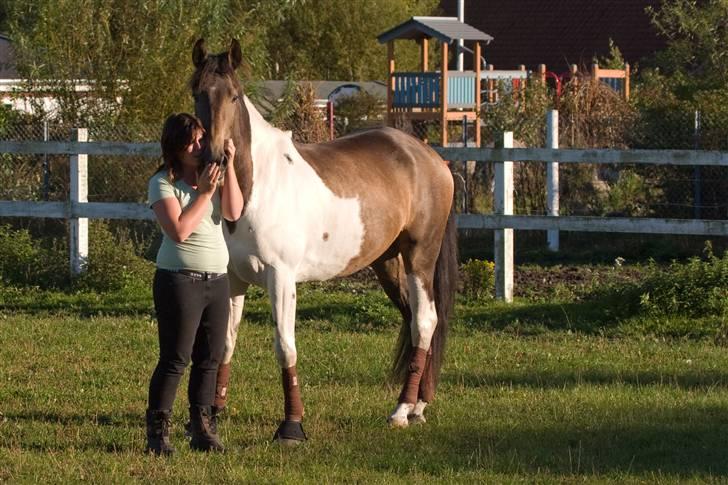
[(273, 91), (445, 29), (561, 32)]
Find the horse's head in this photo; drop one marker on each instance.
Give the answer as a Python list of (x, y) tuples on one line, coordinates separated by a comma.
[(218, 97), (220, 105)]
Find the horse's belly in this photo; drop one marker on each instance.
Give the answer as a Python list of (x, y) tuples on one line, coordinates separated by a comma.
[(312, 248)]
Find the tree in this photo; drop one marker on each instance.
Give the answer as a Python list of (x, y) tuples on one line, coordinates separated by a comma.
[(330, 39), (696, 58), (134, 55)]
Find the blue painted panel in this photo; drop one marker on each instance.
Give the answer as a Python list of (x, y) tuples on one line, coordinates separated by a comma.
[(461, 92), (416, 90)]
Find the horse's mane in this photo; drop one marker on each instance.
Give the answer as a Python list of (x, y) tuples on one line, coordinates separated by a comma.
[(214, 65)]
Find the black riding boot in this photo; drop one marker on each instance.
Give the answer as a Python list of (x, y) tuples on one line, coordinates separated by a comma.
[(214, 414), (158, 423), (203, 428)]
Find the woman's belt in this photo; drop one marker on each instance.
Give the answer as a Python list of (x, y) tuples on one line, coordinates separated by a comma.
[(197, 275)]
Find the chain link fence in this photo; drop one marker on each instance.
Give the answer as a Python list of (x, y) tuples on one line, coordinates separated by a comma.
[(587, 119), (46, 177), (607, 121)]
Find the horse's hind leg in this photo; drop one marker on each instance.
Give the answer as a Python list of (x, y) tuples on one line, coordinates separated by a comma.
[(419, 263), (391, 275)]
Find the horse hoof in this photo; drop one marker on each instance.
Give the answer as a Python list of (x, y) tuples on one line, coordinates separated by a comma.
[(416, 419), (290, 434), (397, 422)]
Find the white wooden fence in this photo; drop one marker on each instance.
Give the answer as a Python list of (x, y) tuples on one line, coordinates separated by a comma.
[(503, 222)]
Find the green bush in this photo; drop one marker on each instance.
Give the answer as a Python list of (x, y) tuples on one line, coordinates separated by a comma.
[(113, 264), (478, 277), (696, 288), (24, 261)]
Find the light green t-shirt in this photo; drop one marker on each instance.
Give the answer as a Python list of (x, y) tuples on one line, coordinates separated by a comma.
[(204, 249)]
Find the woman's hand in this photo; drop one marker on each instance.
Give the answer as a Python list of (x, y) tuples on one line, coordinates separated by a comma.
[(207, 180), (229, 148)]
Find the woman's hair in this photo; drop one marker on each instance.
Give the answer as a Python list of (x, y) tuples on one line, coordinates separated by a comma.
[(179, 131)]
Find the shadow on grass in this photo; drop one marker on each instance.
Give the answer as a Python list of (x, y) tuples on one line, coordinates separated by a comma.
[(682, 442), (593, 316), (689, 380)]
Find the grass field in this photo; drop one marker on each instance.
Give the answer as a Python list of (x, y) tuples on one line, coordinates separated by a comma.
[(546, 392)]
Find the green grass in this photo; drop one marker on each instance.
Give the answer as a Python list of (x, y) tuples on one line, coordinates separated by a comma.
[(547, 393)]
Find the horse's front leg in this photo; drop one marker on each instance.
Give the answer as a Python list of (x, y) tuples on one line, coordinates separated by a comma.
[(237, 302), (282, 291)]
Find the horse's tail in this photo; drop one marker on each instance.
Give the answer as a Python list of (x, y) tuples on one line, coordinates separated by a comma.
[(444, 284)]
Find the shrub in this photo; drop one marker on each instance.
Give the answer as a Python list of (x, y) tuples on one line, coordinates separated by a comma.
[(478, 277), (696, 288), (113, 264)]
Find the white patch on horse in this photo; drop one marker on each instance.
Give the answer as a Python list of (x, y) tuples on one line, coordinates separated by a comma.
[(289, 209), (424, 314)]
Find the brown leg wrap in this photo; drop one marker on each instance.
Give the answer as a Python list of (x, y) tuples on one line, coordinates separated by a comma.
[(223, 379), (427, 383), (293, 406), (414, 374)]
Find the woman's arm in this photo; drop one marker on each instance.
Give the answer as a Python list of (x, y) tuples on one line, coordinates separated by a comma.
[(231, 198), (178, 224)]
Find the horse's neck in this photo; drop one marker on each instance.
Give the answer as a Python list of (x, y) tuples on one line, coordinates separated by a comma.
[(263, 134)]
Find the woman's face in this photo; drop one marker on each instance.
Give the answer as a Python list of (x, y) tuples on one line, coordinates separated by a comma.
[(190, 154)]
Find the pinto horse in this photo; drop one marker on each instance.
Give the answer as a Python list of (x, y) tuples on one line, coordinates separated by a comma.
[(379, 198)]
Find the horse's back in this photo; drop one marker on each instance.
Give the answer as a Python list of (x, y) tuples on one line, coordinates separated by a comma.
[(388, 156)]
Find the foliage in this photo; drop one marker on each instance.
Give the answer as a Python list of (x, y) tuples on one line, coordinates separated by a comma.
[(696, 288), (357, 111), (696, 34), (631, 194), (478, 279), (24, 261), (113, 264), (521, 110), (613, 60), (328, 39), (303, 118), (134, 56)]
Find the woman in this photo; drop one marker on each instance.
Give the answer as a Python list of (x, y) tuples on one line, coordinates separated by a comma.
[(190, 285)]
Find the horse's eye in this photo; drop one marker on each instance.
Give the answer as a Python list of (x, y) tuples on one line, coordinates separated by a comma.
[(236, 98)]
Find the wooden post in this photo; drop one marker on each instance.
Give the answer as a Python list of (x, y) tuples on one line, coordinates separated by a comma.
[(390, 82), (78, 243), (595, 73), (542, 73), (443, 95), (626, 81), (491, 84), (574, 71), (503, 205), (552, 177), (522, 87), (424, 54), (476, 123)]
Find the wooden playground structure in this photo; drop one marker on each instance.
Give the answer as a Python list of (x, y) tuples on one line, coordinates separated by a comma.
[(445, 96)]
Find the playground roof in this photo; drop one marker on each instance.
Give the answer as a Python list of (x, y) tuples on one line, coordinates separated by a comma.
[(445, 29)]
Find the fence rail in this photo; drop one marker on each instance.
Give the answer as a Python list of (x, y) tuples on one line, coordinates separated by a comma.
[(503, 222)]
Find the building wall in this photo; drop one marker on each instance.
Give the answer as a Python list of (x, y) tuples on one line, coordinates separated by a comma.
[(559, 32)]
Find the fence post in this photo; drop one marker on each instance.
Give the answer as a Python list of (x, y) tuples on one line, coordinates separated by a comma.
[(503, 238), (552, 177), (79, 193)]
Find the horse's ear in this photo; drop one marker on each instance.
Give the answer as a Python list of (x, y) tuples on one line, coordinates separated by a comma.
[(235, 56), (199, 53)]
